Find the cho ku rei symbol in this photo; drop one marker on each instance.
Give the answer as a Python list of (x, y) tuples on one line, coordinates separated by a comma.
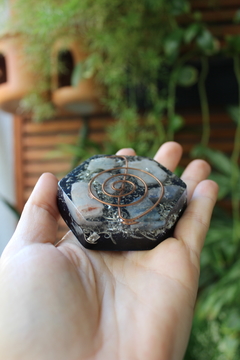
[(123, 186)]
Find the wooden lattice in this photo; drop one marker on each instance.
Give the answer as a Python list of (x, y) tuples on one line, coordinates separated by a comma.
[(35, 142)]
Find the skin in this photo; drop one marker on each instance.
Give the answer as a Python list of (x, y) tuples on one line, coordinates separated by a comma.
[(63, 302)]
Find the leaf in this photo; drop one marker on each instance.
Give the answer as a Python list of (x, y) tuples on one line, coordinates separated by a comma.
[(179, 7), (11, 207), (233, 42), (207, 42), (234, 112), (233, 321), (219, 295), (69, 149), (229, 345), (197, 15), (176, 122), (57, 153), (77, 74), (187, 76), (90, 66), (218, 159), (236, 18), (223, 183), (92, 144), (172, 42), (191, 32)]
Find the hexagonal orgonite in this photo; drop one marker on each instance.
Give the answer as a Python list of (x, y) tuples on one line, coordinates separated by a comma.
[(121, 202)]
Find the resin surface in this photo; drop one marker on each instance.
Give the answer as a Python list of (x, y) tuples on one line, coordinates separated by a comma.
[(121, 202)]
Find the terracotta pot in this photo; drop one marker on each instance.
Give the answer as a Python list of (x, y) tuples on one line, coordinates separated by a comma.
[(82, 99), (16, 80)]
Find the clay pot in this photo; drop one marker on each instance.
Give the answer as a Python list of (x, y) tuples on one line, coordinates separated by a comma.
[(15, 78), (82, 99)]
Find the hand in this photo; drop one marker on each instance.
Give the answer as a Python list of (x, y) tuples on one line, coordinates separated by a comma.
[(63, 302)]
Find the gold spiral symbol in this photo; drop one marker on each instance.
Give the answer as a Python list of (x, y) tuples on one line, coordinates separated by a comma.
[(120, 190)]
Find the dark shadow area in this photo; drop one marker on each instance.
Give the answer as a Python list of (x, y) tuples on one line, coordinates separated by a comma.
[(221, 86), (3, 69), (66, 67)]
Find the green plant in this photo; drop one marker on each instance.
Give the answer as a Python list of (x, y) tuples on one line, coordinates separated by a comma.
[(216, 329), (132, 48), (11, 207)]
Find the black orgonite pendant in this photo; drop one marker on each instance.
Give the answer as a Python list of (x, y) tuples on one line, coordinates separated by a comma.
[(121, 202)]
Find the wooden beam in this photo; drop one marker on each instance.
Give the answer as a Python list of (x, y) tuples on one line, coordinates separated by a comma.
[(18, 153)]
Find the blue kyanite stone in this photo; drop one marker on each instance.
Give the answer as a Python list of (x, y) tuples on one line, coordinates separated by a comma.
[(121, 202)]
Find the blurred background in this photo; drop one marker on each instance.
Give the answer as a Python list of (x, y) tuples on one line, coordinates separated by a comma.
[(81, 78)]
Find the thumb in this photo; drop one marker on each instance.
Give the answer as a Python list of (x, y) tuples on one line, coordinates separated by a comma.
[(39, 220)]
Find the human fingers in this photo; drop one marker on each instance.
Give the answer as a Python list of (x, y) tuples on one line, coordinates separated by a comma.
[(38, 223), (194, 223), (126, 151), (169, 155), (195, 172)]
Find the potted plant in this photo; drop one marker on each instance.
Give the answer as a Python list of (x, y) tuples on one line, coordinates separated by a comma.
[(16, 80), (70, 92), (127, 62)]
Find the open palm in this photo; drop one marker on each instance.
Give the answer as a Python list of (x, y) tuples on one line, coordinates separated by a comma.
[(63, 302)]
